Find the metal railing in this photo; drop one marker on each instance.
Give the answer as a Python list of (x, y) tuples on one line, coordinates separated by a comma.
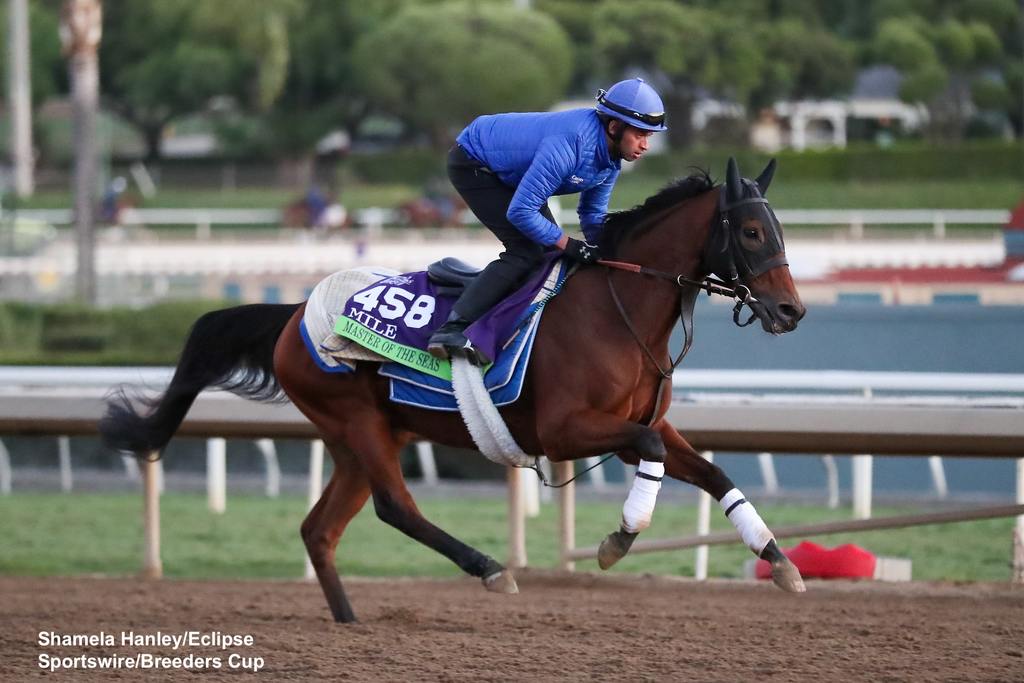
[(62, 402)]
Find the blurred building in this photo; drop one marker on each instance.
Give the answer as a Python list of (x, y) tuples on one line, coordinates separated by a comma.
[(873, 111)]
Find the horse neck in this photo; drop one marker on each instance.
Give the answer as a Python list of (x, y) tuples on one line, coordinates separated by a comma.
[(673, 244)]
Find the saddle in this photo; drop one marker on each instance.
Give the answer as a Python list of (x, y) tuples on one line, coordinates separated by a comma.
[(451, 275)]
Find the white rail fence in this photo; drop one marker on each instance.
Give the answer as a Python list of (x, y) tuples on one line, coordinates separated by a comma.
[(854, 219), (63, 401)]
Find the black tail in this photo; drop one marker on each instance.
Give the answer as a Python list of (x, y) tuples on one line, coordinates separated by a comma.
[(231, 349)]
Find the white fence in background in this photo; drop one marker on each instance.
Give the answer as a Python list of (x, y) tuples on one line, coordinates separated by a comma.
[(854, 219), (64, 401)]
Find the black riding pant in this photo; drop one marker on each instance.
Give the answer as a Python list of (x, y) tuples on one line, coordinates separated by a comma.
[(488, 198)]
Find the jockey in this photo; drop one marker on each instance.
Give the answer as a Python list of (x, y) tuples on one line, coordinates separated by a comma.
[(507, 166)]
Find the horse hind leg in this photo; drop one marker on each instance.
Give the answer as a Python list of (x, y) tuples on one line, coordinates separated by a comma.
[(345, 495), (395, 506)]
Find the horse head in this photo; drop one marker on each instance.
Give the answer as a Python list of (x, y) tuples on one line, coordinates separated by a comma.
[(747, 247)]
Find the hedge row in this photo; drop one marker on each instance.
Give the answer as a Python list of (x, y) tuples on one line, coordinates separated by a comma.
[(68, 334), (909, 161)]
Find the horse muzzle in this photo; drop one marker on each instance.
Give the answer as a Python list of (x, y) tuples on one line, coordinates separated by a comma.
[(778, 317)]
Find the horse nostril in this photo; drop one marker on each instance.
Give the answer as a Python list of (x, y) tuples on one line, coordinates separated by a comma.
[(791, 312)]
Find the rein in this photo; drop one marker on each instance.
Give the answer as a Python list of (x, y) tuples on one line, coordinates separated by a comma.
[(741, 293)]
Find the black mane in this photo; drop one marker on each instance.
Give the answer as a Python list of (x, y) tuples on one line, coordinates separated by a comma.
[(618, 225)]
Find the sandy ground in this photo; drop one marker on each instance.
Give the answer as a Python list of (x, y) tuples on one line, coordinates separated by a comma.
[(560, 627)]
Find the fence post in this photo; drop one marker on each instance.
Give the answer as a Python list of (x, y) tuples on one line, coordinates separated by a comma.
[(771, 480), (531, 492), (5, 470), (64, 457), (546, 491), (563, 471), (271, 467), (131, 467), (1018, 533), (216, 475), (152, 567), (203, 231), (938, 476), (832, 477), (700, 569), (862, 466), (428, 466), (316, 487), (597, 479), (857, 226), (862, 478), (516, 519)]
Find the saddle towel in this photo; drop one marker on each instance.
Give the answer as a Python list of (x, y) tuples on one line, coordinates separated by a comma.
[(363, 306), (331, 352)]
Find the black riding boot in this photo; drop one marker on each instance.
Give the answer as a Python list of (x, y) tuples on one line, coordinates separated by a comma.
[(450, 338), (483, 293)]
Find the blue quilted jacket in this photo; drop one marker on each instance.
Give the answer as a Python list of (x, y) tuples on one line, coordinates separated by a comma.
[(544, 154)]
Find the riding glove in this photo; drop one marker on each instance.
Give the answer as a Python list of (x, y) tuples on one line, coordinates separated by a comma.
[(582, 252)]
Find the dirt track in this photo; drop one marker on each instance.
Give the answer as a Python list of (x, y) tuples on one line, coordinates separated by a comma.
[(559, 628)]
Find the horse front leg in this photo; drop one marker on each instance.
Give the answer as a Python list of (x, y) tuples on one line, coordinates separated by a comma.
[(686, 464), (592, 432)]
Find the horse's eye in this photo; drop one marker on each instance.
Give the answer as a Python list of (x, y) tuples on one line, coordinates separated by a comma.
[(750, 232)]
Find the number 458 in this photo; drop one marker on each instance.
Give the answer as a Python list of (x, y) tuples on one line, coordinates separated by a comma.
[(395, 302)]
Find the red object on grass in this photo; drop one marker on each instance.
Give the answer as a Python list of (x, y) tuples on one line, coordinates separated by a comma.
[(817, 562)]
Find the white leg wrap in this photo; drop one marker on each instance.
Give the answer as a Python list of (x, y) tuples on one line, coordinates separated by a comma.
[(744, 517), (639, 506)]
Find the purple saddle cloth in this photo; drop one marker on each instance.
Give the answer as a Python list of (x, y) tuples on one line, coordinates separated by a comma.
[(396, 316)]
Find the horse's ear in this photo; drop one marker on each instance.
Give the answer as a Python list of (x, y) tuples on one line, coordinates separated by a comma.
[(765, 179), (733, 184)]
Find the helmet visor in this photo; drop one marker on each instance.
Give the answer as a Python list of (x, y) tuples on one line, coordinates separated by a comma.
[(657, 119)]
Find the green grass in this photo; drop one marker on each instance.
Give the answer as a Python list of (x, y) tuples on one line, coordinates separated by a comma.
[(352, 196), (631, 189), (53, 534)]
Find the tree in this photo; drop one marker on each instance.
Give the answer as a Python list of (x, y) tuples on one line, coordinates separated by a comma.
[(164, 60), (319, 93), (802, 62), (437, 67), (949, 65), (47, 72), (753, 55), (677, 44), (45, 63)]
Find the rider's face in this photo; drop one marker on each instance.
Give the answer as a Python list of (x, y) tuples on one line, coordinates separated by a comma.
[(633, 144)]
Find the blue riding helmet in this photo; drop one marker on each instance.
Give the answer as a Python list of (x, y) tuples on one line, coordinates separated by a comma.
[(634, 102)]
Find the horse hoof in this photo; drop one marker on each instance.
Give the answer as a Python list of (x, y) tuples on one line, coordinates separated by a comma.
[(787, 577), (502, 582), (613, 548)]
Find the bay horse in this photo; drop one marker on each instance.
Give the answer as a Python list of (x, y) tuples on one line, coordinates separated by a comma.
[(595, 383)]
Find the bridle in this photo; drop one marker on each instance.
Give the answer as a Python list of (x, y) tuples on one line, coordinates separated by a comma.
[(718, 260)]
